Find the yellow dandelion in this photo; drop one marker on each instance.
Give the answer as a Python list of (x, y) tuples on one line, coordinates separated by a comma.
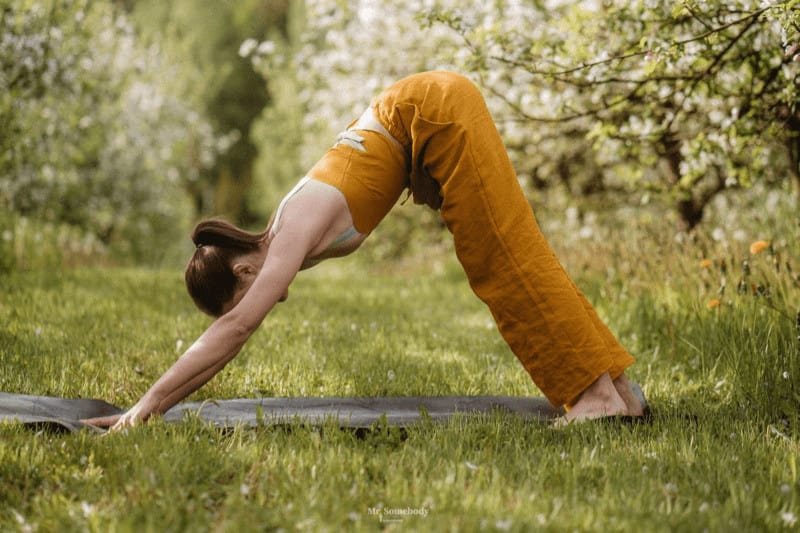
[(714, 302), (758, 246), (706, 263)]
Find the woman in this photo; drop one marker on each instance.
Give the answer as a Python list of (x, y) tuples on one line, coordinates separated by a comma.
[(432, 133)]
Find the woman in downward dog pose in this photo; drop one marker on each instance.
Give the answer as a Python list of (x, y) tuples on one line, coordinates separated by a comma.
[(432, 133)]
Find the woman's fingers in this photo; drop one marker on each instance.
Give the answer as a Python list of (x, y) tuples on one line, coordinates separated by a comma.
[(122, 423), (102, 421), (127, 420)]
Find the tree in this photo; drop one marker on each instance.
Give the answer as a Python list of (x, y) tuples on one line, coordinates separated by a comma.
[(208, 35), (92, 135), (690, 98)]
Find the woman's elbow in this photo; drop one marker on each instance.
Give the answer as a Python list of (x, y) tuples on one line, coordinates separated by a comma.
[(240, 326)]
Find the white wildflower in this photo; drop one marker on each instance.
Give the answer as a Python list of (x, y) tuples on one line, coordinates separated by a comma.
[(87, 509), (247, 47), (503, 525), (265, 48), (18, 517)]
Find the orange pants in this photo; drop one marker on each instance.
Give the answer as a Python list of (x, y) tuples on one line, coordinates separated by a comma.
[(457, 162)]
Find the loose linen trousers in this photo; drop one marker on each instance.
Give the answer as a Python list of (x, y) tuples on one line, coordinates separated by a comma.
[(456, 161)]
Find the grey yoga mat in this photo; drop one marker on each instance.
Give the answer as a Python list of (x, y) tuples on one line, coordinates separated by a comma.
[(358, 412), (62, 413)]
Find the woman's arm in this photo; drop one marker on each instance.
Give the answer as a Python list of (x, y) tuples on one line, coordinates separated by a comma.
[(223, 340), (220, 343)]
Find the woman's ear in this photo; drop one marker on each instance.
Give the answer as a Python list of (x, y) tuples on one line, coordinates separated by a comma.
[(244, 269)]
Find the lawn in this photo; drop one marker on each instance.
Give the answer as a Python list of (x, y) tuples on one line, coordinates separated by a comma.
[(721, 452)]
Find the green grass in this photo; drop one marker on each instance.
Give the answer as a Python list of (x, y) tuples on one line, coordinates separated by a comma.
[(720, 454)]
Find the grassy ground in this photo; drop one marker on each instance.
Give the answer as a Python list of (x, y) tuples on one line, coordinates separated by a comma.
[(720, 454)]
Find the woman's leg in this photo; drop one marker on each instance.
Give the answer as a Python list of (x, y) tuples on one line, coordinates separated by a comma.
[(510, 266)]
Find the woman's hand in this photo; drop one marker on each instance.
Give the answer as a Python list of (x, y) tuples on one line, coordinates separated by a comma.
[(137, 414), (134, 416)]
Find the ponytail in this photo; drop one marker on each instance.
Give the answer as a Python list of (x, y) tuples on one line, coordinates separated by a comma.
[(217, 232), (209, 276)]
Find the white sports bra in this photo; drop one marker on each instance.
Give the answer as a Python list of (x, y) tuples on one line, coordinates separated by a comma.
[(341, 239)]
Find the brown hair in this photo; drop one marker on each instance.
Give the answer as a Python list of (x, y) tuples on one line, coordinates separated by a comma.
[(210, 278)]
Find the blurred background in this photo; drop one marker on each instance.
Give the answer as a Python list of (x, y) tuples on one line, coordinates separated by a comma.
[(123, 123)]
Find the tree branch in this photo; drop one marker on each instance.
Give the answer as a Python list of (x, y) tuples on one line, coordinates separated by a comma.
[(752, 17)]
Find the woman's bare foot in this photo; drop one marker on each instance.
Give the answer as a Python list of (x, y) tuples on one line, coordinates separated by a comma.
[(599, 400), (633, 403)]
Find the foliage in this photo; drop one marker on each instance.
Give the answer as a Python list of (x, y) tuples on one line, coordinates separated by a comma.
[(210, 38), (642, 98), (279, 131), (92, 136), (30, 244), (126, 120)]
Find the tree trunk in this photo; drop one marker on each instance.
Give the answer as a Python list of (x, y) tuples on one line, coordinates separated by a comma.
[(793, 147), (691, 212)]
